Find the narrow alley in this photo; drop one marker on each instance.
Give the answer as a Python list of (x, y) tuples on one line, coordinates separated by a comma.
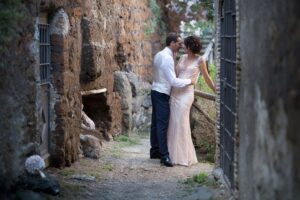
[(84, 84), (125, 172)]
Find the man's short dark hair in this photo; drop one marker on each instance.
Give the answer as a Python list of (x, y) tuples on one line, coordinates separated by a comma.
[(172, 37)]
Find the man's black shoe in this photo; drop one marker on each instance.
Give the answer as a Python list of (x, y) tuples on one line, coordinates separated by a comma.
[(155, 156), (166, 161)]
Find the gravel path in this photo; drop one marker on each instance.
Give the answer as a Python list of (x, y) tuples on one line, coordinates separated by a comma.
[(125, 172)]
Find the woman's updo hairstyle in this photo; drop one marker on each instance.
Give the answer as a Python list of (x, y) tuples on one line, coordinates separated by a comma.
[(193, 43)]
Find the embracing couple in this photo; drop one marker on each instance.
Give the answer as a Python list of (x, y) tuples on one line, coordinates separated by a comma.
[(172, 96)]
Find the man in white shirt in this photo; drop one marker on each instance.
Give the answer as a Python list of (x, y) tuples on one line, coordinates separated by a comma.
[(164, 79)]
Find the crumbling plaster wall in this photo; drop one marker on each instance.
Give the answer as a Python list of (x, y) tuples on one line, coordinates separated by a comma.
[(269, 108)]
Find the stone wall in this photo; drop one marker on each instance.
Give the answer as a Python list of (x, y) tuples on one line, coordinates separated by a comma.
[(65, 23), (91, 42), (115, 44), (64, 18), (18, 136), (269, 108)]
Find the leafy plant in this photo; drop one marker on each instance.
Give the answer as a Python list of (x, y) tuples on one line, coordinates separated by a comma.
[(201, 85), (156, 23), (210, 151), (209, 7), (202, 179), (125, 140), (198, 28), (11, 16), (210, 157), (192, 8)]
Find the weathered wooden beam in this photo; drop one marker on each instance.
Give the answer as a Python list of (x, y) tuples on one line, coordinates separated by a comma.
[(204, 114), (205, 95), (89, 92)]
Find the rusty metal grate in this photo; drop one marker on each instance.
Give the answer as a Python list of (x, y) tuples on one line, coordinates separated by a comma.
[(45, 50), (228, 88)]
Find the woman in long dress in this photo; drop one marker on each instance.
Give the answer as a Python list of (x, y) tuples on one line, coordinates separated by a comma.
[(180, 145)]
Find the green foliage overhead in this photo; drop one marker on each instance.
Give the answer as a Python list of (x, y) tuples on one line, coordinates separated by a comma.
[(199, 16), (192, 7), (11, 16), (209, 6), (198, 28), (154, 8), (156, 23)]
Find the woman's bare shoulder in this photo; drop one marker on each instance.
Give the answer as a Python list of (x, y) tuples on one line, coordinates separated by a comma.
[(199, 58)]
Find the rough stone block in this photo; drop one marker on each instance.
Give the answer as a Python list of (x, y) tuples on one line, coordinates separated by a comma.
[(90, 146)]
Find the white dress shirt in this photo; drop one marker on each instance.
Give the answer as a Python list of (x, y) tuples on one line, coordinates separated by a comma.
[(164, 73)]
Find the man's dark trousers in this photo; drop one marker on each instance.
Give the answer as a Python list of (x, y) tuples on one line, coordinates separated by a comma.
[(159, 124)]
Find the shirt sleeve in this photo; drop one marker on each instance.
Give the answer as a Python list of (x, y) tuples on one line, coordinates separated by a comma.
[(169, 72)]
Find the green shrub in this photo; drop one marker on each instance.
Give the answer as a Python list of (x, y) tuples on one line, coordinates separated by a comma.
[(156, 23), (125, 140), (209, 6), (201, 85), (201, 179), (11, 16)]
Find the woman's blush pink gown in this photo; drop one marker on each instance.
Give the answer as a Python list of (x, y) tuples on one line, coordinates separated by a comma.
[(180, 145)]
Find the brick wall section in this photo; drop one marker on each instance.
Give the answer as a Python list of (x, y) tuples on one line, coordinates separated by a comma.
[(217, 60), (238, 82)]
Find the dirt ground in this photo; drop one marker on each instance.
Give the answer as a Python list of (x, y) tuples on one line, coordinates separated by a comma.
[(125, 172)]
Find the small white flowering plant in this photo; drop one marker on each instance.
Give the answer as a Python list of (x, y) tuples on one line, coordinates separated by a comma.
[(34, 165), (197, 28)]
